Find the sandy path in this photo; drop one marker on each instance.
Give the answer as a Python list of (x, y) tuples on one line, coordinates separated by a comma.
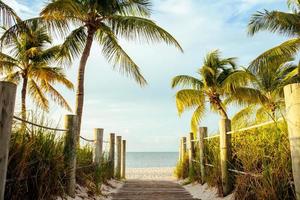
[(164, 173)]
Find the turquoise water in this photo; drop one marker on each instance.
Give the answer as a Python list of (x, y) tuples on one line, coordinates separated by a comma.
[(151, 159)]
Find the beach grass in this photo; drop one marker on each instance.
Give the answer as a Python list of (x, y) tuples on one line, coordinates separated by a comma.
[(263, 152), (36, 167)]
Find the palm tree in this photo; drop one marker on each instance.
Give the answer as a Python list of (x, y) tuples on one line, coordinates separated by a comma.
[(261, 91), (104, 21), (211, 87), (29, 61), (284, 23)]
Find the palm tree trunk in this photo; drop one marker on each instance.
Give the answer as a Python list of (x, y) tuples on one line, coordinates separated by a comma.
[(23, 97), (80, 78), (222, 110), (23, 102)]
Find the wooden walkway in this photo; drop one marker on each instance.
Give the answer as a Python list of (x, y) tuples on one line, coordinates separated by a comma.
[(151, 190)]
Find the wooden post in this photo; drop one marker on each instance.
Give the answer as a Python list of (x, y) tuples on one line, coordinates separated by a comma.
[(192, 149), (112, 154), (123, 160), (70, 153), (202, 134), (98, 145), (225, 154), (118, 166), (183, 150), (292, 106), (7, 105), (180, 151)]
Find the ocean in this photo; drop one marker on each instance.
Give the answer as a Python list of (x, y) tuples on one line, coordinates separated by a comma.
[(151, 159)]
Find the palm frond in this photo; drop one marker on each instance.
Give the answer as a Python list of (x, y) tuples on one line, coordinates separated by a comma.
[(74, 44), (55, 95), (17, 29), (135, 7), (50, 75), (8, 15), (294, 5), (138, 28), (117, 56), (275, 22), (48, 55), (246, 96), (277, 55), (244, 117), (197, 117), (188, 99), (187, 81), (38, 95), (236, 79), (13, 77)]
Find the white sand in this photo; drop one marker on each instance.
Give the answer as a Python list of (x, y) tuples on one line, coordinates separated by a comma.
[(204, 192), (198, 191), (107, 190), (154, 173)]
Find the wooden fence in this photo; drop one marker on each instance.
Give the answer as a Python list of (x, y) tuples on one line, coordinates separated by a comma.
[(7, 102), (292, 101)]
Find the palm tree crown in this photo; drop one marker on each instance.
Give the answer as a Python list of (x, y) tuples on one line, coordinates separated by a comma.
[(30, 58), (212, 86), (104, 21), (261, 90), (284, 23)]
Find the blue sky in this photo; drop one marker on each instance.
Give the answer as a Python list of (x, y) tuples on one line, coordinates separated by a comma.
[(147, 117)]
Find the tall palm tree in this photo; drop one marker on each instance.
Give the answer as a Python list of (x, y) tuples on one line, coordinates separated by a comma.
[(212, 86), (104, 21), (283, 23), (29, 61), (261, 91)]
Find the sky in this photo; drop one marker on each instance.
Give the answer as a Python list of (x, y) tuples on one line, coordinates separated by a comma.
[(147, 117)]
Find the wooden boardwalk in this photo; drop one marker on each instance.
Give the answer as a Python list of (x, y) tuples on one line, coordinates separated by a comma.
[(151, 190)]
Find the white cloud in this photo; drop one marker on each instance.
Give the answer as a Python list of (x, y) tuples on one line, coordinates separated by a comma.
[(21, 9)]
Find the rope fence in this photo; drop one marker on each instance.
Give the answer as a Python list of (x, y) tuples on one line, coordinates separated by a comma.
[(188, 145), (233, 170), (38, 125)]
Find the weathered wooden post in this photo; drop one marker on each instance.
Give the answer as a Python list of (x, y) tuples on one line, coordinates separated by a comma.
[(118, 166), (123, 160), (7, 105), (180, 151), (183, 150), (192, 149), (292, 105), (202, 134), (225, 154), (70, 153), (112, 154), (98, 145)]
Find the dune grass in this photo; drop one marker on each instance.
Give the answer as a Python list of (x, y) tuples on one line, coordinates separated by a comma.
[(264, 152), (36, 166)]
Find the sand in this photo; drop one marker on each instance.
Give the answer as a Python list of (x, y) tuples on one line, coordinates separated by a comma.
[(107, 190), (198, 191), (154, 173), (204, 192)]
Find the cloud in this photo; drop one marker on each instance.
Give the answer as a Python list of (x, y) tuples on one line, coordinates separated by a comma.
[(21, 9)]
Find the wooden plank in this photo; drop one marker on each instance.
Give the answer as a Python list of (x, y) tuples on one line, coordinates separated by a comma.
[(149, 190)]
